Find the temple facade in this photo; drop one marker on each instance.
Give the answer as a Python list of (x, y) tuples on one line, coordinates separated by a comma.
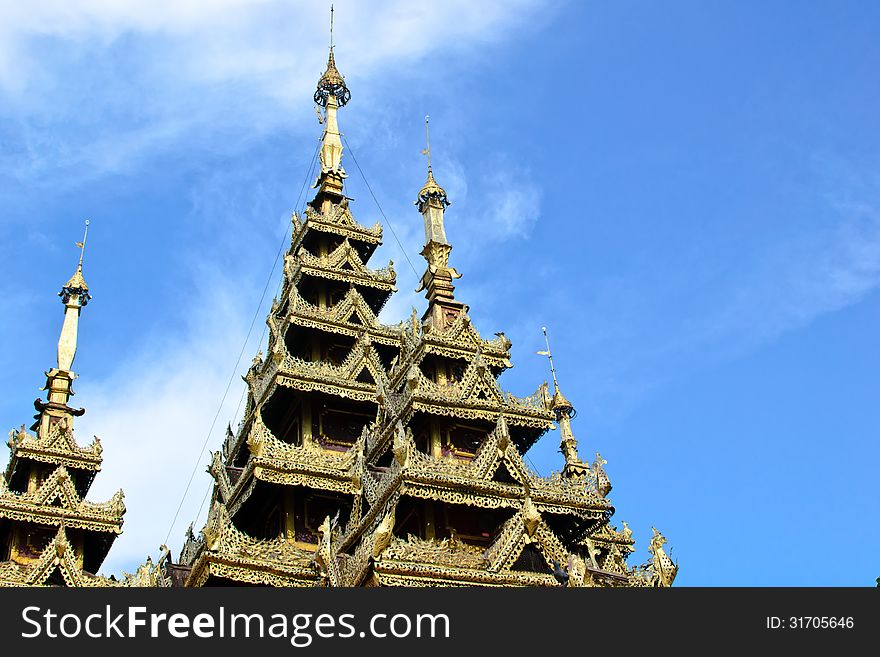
[(374, 455), (368, 454), (49, 533)]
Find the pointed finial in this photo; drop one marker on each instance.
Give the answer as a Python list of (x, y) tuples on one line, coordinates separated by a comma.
[(427, 151), (82, 245), (430, 190), (331, 82), (76, 286), (549, 355), (559, 402)]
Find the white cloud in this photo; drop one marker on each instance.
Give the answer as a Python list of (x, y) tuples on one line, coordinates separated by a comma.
[(153, 414), (115, 81), (512, 203), (800, 279)]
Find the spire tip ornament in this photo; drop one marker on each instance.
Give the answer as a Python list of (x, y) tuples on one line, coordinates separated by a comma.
[(558, 403), (76, 286), (331, 83), (430, 191)]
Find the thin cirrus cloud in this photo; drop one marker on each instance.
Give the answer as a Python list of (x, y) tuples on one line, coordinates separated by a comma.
[(113, 82)]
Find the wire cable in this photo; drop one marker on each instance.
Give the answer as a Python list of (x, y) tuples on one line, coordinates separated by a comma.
[(238, 360), (381, 211)]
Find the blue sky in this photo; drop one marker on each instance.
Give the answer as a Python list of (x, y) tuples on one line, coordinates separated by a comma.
[(687, 194)]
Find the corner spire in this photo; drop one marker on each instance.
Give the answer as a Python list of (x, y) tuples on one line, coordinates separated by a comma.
[(437, 280), (564, 412)]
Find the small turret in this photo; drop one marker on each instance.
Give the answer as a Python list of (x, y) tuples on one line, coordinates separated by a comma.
[(565, 413)]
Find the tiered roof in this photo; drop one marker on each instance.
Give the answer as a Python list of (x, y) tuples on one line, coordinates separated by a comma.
[(49, 533), (425, 482)]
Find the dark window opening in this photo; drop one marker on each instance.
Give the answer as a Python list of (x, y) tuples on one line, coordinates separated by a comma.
[(281, 415), (339, 426), (531, 560), (311, 509), (471, 524)]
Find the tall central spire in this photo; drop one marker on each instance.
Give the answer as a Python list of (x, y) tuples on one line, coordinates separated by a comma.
[(331, 94)]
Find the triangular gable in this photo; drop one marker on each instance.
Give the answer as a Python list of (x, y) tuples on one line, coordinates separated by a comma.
[(345, 256), (58, 486), (58, 556), (498, 452), (365, 376), (478, 384), (525, 528), (353, 309), (463, 331), (59, 438), (366, 368)]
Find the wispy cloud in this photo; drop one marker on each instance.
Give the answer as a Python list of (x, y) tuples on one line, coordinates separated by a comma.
[(827, 266), (637, 335), (153, 414), (135, 78), (512, 204)]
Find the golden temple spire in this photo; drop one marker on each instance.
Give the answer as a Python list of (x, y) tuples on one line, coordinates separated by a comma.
[(437, 280), (75, 295), (331, 94)]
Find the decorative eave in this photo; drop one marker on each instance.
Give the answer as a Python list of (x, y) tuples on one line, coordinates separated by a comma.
[(471, 483), (330, 268), (339, 221), (307, 465), (397, 573), (274, 461), (459, 340), (337, 318), (449, 561), (317, 376), (57, 555), (72, 511), (384, 335), (608, 535), (58, 447), (230, 553), (476, 397)]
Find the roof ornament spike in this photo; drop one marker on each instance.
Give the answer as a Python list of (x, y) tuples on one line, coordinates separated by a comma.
[(558, 403), (332, 83), (82, 245), (427, 150), (76, 285), (431, 194), (330, 94)]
